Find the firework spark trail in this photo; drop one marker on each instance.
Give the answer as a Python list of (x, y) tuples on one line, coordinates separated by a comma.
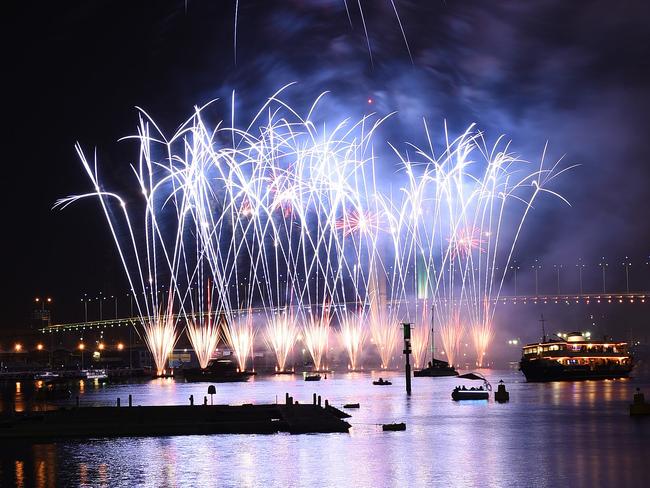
[(290, 216), (420, 345), (383, 327), (281, 335), (239, 334), (482, 334), (451, 334), (316, 336), (353, 336), (204, 336), (160, 335)]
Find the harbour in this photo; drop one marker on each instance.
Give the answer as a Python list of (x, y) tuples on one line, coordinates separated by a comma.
[(493, 442)]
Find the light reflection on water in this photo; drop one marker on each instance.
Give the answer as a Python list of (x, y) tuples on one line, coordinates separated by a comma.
[(551, 434)]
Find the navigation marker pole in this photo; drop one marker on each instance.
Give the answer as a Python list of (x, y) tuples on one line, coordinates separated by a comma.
[(407, 352)]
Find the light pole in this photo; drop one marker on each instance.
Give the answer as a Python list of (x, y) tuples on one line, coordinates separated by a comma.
[(603, 265), (627, 265), (85, 301), (558, 267), (580, 267), (536, 268), (515, 267), (48, 317)]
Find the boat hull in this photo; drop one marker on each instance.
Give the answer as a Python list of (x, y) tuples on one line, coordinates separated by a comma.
[(434, 372), (458, 395), (540, 370)]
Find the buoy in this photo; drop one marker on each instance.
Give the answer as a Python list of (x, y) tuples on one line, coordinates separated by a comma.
[(639, 405), (501, 395)]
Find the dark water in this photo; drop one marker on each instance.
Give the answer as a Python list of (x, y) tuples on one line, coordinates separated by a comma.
[(555, 434)]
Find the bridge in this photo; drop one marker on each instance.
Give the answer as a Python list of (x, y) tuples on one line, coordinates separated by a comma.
[(546, 299)]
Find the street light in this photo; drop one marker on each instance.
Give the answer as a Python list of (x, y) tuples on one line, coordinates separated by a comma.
[(39, 347), (82, 346), (120, 346), (18, 347)]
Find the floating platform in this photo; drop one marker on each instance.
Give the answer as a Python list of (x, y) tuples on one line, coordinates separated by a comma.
[(93, 422)]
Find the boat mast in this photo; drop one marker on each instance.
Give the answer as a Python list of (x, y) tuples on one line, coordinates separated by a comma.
[(543, 329)]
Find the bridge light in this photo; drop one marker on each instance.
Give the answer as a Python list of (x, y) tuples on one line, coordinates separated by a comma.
[(39, 347), (100, 346)]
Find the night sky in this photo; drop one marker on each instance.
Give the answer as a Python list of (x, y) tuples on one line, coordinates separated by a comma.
[(575, 74)]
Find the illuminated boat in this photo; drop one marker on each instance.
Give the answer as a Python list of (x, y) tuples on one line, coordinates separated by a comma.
[(94, 374), (218, 371), (575, 356)]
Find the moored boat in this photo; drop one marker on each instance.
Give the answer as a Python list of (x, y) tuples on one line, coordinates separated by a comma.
[(436, 368)]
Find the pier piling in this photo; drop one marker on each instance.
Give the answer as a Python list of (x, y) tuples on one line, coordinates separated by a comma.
[(118, 401), (130, 401)]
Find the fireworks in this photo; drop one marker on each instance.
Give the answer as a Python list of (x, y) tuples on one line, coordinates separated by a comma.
[(240, 336), (353, 336), (160, 335), (281, 335), (316, 334), (451, 334), (204, 336), (419, 345), (481, 336), (284, 216)]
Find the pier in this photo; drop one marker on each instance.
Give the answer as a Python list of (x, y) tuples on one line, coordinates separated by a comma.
[(138, 421)]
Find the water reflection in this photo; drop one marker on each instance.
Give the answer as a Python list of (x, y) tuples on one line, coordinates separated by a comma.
[(549, 434)]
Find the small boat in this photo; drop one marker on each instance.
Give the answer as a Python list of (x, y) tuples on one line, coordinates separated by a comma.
[(46, 375), (472, 393), (351, 405), (381, 382), (393, 427), (312, 377)]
